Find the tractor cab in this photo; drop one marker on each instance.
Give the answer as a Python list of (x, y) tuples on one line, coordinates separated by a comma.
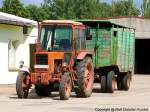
[(56, 36), (59, 41)]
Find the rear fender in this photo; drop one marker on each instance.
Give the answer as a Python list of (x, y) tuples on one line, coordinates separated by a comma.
[(82, 55)]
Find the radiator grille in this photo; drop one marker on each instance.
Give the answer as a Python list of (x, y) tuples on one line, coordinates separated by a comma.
[(41, 59)]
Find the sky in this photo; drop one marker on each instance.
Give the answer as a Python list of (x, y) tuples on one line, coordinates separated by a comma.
[(38, 2), (26, 2), (137, 2), (35, 2)]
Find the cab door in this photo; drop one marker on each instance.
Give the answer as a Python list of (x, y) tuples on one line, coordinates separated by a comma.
[(80, 38)]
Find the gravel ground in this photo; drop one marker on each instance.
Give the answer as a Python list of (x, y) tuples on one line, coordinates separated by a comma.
[(137, 99)]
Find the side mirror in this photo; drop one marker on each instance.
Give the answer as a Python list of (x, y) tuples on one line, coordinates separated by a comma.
[(88, 35)]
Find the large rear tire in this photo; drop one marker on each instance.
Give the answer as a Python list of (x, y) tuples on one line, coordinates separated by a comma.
[(111, 82), (65, 86), (42, 90), (22, 88), (85, 77)]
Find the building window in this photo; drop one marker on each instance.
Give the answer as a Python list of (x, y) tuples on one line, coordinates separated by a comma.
[(11, 55)]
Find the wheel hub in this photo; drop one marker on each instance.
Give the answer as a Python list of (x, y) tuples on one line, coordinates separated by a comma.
[(88, 76), (68, 87)]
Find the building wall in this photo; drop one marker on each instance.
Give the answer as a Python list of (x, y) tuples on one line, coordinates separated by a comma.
[(142, 26), (22, 52)]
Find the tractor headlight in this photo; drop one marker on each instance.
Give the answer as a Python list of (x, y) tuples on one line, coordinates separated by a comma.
[(64, 64)]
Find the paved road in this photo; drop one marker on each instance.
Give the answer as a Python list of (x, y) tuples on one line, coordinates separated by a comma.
[(137, 99)]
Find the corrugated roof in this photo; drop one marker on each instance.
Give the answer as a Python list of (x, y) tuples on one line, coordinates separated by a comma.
[(121, 17), (102, 23), (62, 22), (15, 20)]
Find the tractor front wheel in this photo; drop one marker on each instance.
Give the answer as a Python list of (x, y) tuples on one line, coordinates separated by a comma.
[(22, 88), (85, 77), (65, 86)]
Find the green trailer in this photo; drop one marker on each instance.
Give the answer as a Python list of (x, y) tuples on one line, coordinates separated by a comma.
[(114, 53)]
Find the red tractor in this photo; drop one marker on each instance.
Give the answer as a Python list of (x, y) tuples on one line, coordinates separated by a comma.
[(61, 63)]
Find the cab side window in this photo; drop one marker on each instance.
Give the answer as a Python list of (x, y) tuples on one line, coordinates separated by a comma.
[(77, 44)]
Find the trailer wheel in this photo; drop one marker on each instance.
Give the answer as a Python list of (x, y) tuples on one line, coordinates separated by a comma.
[(126, 81), (22, 88), (119, 82), (103, 84), (42, 90), (85, 75), (110, 82), (65, 86)]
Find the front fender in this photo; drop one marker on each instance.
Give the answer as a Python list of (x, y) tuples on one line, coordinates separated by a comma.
[(82, 55)]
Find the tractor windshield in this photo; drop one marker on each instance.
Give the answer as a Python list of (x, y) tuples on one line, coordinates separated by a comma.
[(56, 38)]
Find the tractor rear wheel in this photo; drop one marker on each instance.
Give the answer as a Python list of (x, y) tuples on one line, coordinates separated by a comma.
[(22, 88), (111, 82), (85, 77), (103, 84), (65, 86), (42, 90)]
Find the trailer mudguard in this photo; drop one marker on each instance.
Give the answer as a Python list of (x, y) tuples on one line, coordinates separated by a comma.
[(83, 54)]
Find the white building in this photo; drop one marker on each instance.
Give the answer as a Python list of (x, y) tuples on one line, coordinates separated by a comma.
[(17, 41)]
